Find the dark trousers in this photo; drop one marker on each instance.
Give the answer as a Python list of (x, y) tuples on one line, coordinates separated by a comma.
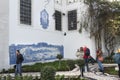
[(119, 70), (86, 64), (81, 71)]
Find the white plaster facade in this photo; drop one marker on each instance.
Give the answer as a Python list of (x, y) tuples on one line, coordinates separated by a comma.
[(4, 33), (12, 32), (73, 39)]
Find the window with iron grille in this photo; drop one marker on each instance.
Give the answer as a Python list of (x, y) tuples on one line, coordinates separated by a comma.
[(58, 20), (25, 12), (72, 20)]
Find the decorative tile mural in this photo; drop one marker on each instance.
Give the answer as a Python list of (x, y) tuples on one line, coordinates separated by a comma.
[(44, 19), (44, 16), (35, 52)]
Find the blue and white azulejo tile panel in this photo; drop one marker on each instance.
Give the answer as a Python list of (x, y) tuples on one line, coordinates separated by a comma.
[(35, 52)]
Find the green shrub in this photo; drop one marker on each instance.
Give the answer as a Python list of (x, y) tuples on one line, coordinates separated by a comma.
[(109, 59), (11, 70), (36, 78), (8, 77), (111, 70), (18, 78), (58, 77), (4, 78), (0, 77), (59, 56), (3, 71), (65, 65), (27, 77), (70, 64), (79, 62), (48, 73)]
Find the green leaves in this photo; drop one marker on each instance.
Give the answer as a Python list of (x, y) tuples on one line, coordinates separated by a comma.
[(48, 73), (104, 17), (59, 56)]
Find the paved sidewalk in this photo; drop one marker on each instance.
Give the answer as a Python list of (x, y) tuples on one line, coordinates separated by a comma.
[(88, 75), (92, 75)]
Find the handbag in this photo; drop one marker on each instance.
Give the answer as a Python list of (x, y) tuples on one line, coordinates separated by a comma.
[(100, 58)]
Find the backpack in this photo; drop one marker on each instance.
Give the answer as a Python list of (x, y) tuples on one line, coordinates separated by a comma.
[(22, 59), (87, 53)]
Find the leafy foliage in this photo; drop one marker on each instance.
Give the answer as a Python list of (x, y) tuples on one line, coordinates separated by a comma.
[(48, 73), (80, 62), (59, 56), (103, 17), (70, 64), (111, 70)]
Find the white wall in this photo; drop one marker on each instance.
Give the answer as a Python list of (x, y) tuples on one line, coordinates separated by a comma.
[(35, 33), (4, 59), (74, 40), (4, 7), (23, 34)]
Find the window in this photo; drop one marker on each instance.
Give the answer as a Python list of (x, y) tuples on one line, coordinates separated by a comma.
[(72, 20), (25, 12), (58, 20)]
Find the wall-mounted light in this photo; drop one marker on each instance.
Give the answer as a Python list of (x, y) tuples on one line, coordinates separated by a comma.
[(65, 34), (63, 14)]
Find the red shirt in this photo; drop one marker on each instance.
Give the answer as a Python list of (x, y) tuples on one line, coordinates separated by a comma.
[(84, 49)]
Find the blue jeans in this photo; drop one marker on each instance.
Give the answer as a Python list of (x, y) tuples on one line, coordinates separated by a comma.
[(86, 63), (18, 69), (100, 66)]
